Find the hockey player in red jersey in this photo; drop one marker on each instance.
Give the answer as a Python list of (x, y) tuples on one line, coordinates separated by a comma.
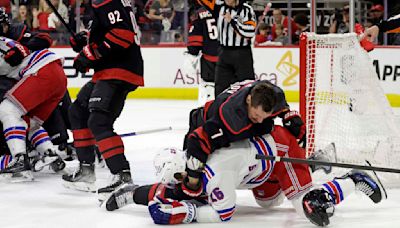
[(236, 167), (113, 52), (39, 73), (245, 110), (203, 40)]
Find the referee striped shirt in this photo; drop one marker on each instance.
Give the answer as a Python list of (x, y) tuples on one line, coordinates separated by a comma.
[(240, 30)]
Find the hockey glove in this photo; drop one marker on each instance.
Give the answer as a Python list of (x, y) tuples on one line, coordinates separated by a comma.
[(168, 211), (16, 54), (293, 122), (194, 168), (318, 206), (80, 41)]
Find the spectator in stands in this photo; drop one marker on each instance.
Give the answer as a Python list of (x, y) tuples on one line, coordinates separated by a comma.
[(302, 24), (281, 37), (161, 12), (179, 8), (58, 34), (340, 23), (264, 34), (280, 19), (41, 17), (24, 16), (376, 14)]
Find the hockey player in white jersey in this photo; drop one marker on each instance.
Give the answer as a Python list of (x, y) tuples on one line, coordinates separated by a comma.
[(236, 168), (41, 85)]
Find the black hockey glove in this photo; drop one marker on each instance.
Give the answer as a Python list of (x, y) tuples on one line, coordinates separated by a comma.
[(80, 41), (85, 59), (16, 54), (293, 122), (194, 168), (318, 206)]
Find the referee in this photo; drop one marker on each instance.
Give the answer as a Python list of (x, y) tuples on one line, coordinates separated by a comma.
[(236, 25)]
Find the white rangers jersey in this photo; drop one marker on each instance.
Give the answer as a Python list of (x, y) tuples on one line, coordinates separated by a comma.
[(236, 167), (29, 66)]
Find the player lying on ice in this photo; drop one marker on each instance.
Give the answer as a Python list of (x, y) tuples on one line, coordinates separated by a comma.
[(41, 85), (234, 168)]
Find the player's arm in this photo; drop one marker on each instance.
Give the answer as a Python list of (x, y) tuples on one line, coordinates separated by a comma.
[(222, 196), (391, 25), (246, 26), (195, 39)]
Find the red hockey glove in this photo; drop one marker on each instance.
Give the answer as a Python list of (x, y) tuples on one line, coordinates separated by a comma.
[(365, 43), (293, 122), (16, 54), (85, 59), (80, 41), (168, 211)]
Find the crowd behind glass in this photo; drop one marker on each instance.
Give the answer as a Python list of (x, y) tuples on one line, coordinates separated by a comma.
[(167, 21)]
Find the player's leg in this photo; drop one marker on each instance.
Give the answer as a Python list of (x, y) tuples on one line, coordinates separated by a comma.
[(105, 105), (142, 195), (84, 178), (244, 66), (206, 84), (269, 194), (224, 72)]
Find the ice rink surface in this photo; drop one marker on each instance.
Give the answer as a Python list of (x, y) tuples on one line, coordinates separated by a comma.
[(45, 203)]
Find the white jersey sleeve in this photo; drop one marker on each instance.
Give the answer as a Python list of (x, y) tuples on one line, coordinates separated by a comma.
[(234, 168), (29, 66)]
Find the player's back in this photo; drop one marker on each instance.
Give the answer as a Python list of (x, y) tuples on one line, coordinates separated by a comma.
[(238, 163)]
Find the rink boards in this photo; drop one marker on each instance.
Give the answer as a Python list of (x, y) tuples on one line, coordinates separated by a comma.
[(166, 77)]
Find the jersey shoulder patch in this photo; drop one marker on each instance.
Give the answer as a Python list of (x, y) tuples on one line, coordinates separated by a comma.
[(99, 3)]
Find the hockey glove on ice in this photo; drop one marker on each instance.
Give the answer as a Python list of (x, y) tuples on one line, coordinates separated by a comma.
[(16, 54), (168, 211), (80, 41), (318, 206)]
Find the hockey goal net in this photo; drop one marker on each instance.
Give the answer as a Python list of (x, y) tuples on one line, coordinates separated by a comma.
[(343, 103)]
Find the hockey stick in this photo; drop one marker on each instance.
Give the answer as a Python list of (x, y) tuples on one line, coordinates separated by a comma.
[(145, 131), (61, 19), (323, 163), (266, 10)]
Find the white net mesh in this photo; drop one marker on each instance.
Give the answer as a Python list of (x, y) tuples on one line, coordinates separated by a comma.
[(346, 105)]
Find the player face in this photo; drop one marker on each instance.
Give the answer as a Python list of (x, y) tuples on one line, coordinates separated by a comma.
[(257, 114)]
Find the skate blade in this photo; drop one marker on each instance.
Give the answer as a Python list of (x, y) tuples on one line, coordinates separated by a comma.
[(40, 164), (378, 181), (80, 186), (25, 176)]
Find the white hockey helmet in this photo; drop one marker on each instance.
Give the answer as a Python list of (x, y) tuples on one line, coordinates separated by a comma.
[(170, 163)]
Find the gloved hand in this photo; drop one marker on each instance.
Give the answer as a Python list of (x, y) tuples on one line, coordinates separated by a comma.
[(85, 59), (293, 122), (168, 211), (190, 63), (194, 168), (16, 54), (80, 41)]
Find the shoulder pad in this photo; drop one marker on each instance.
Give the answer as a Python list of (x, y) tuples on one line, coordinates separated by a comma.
[(99, 3), (17, 31)]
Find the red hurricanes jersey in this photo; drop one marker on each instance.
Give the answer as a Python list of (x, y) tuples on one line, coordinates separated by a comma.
[(203, 36), (114, 23)]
